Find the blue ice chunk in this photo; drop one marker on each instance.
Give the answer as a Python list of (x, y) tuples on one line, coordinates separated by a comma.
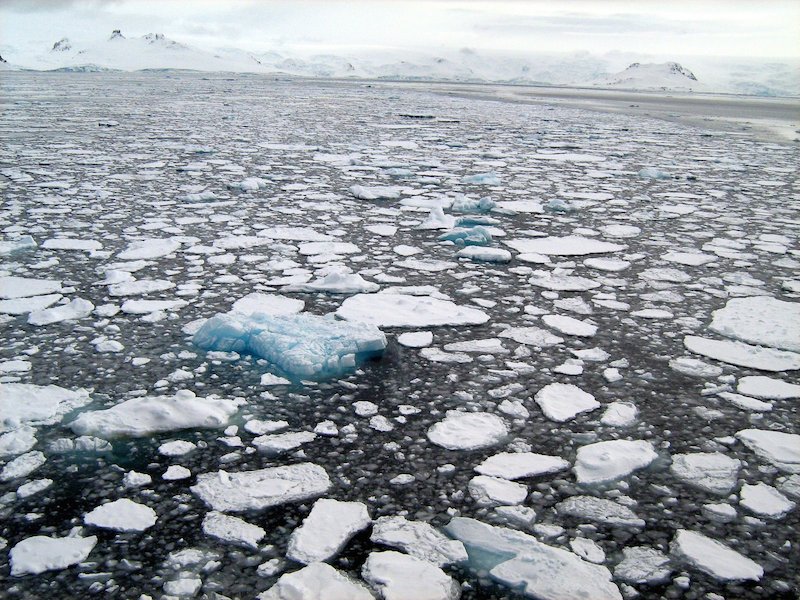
[(301, 346), (490, 178), (558, 206), (20, 243), (471, 236), (470, 205)]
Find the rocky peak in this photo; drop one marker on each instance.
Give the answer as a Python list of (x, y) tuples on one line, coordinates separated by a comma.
[(116, 35), (62, 45)]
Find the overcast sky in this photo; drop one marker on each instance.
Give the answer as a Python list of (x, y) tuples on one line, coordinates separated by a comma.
[(754, 28)]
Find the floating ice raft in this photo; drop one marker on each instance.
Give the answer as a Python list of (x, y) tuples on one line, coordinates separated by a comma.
[(300, 345)]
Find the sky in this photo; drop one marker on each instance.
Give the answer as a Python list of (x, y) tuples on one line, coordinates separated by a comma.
[(714, 28)]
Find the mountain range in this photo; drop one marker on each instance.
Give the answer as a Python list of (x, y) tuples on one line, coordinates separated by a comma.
[(156, 51)]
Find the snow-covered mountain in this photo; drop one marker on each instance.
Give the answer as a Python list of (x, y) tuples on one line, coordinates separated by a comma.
[(654, 76), (156, 51)]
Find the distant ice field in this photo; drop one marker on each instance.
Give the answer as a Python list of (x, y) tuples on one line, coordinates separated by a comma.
[(271, 338)]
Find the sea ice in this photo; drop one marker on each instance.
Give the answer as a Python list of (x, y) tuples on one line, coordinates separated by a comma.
[(403, 310), (122, 515), (480, 254), (415, 339), (765, 501), (24, 287), (468, 431), (608, 461), (398, 576), (232, 530), (743, 355), (150, 248), (277, 443), (76, 309), (518, 465), (494, 491), (599, 510), (569, 325), (140, 417), (37, 405), (17, 441), (776, 447), (619, 414), (326, 530), (295, 234), (713, 557), (563, 283), (262, 488), (760, 320), (643, 565), (20, 306), (375, 192), (561, 402), (137, 287), (38, 554), (336, 282), (571, 245), (521, 562), (531, 336), (301, 345), (72, 244), (768, 388), (22, 466), (712, 472), (317, 581), (145, 307), (269, 304), (419, 539), (20, 243)]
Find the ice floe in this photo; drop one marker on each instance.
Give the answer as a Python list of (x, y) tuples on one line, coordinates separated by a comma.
[(521, 562), (403, 310), (261, 488), (710, 471), (122, 515), (572, 245), (776, 447), (468, 431), (398, 576), (40, 553), (759, 320), (418, 539), (603, 462), (232, 530), (561, 402), (317, 581), (713, 557), (518, 465), (145, 416), (326, 530)]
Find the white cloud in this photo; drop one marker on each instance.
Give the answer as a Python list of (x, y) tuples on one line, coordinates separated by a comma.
[(675, 28)]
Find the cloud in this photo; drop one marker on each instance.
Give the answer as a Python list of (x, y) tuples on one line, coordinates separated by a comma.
[(38, 6), (579, 23)]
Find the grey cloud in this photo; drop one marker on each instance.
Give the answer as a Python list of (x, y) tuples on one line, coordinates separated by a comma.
[(35, 6)]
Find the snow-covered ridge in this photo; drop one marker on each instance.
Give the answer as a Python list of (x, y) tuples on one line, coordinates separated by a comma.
[(654, 76), (157, 51)]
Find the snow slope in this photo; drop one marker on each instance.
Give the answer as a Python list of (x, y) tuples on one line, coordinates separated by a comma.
[(654, 76)]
